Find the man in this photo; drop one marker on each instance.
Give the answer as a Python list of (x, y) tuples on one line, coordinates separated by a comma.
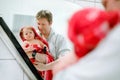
[(103, 62), (57, 43)]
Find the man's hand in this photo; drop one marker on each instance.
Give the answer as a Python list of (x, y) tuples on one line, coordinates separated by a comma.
[(41, 57), (40, 66)]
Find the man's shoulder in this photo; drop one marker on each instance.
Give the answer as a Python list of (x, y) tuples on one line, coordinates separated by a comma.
[(55, 34)]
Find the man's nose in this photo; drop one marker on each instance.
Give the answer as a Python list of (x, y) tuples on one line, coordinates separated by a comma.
[(40, 28)]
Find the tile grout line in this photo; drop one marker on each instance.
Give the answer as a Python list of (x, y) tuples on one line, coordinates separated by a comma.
[(7, 59)]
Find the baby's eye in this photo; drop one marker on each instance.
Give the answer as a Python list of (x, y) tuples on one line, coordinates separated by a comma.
[(26, 34), (30, 32)]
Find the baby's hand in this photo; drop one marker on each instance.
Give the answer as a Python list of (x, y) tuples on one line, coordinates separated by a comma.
[(40, 66), (29, 48)]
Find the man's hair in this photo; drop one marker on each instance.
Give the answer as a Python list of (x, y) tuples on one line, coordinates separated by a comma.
[(44, 14)]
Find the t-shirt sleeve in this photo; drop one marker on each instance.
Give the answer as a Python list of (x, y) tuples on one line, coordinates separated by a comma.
[(62, 46)]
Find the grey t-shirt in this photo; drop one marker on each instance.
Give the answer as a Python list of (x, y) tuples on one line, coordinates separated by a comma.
[(58, 44)]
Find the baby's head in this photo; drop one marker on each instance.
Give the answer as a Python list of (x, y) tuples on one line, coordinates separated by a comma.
[(88, 27), (111, 5), (28, 33)]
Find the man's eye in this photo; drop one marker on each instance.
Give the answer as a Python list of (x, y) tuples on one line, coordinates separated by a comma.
[(38, 23), (43, 24)]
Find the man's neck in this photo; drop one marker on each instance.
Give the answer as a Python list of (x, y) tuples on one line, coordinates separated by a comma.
[(46, 35)]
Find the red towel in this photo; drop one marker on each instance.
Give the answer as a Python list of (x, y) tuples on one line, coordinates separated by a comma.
[(47, 75), (88, 27)]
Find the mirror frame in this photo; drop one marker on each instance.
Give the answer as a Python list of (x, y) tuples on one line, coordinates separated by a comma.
[(23, 60)]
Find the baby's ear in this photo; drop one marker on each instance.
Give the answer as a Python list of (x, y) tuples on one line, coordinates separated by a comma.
[(104, 2)]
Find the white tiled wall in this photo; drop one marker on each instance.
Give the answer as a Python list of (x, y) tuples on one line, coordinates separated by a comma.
[(88, 3), (9, 69)]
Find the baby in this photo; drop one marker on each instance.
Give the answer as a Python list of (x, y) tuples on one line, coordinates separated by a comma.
[(33, 44)]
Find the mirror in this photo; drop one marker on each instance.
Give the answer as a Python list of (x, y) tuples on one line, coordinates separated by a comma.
[(22, 14), (11, 42)]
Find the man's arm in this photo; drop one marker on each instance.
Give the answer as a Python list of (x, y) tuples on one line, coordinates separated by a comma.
[(44, 67)]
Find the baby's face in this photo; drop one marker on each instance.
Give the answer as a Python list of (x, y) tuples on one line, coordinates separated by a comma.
[(28, 34)]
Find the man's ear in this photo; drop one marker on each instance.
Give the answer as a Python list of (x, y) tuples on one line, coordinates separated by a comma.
[(50, 23)]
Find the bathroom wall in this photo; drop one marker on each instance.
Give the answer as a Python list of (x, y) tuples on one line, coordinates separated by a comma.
[(9, 68)]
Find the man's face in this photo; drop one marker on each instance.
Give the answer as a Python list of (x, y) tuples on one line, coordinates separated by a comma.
[(43, 25), (111, 4)]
